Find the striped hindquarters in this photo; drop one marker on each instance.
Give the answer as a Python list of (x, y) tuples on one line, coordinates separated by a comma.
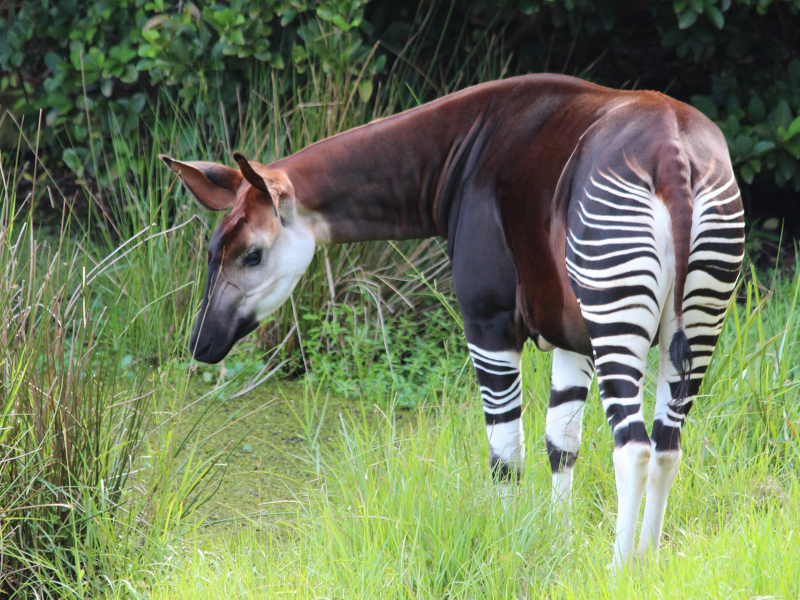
[(617, 240), (715, 257)]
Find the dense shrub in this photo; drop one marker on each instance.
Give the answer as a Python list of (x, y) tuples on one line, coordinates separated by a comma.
[(94, 64), (91, 66)]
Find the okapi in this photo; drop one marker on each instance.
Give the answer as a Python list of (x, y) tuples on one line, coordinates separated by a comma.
[(594, 221)]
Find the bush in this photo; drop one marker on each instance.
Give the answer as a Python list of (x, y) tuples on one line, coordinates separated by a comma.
[(91, 66), (742, 57)]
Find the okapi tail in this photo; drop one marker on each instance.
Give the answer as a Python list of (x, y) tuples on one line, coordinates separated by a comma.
[(680, 355), (679, 200)]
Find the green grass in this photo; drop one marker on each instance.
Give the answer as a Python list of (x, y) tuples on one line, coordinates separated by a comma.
[(407, 510)]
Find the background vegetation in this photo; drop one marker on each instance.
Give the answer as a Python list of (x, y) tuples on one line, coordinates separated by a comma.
[(114, 443), (91, 66)]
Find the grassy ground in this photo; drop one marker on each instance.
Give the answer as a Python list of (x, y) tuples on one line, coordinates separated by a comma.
[(405, 509)]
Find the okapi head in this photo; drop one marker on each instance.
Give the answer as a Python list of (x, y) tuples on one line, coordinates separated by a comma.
[(256, 256)]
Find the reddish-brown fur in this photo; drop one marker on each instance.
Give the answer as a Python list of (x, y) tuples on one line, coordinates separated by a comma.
[(391, 179)]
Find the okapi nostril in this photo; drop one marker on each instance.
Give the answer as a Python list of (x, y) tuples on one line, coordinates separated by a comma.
[(198, 350)]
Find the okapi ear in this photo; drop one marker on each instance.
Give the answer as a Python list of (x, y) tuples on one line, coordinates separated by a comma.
[(283, 194), (253, 178), (213, 185)]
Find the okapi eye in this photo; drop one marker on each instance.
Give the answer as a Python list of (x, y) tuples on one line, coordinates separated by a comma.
[(253, 258)]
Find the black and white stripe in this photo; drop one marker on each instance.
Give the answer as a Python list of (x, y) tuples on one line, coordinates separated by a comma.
[(614, 260), (621, 260), (569, 385), (716, 252), (500, 381)]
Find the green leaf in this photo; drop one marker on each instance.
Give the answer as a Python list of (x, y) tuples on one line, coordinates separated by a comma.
[(763, 146), (122, 53), (237, 37), (793, 129), (747, 174), (744, 145), (288, 17), (697, 6), (783, 114), (716, 17), (155, 22), (59, 101), (72, 160), (75, 58), (365, 90), (137, 102), (756, 108), (772, 160), (705, 106), (299, 54), (679, 6), (792, 148), (52, 61), (787, 165), (130, 74), (325, 13), (687, 18), (379, 63)]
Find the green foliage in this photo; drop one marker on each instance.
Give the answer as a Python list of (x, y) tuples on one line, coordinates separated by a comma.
[(411, 355), (70, 429), (749, 51), (755, 95), (95, 475), (91, 66), (98, 461), (403, 507)]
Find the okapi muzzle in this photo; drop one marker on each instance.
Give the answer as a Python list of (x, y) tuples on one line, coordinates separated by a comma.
[(223, 319), (256, 255)]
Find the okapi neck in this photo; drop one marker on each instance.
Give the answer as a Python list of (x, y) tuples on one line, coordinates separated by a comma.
[(386, 180)]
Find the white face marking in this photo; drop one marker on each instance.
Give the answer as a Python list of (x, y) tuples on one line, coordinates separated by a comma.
[(283, 262)]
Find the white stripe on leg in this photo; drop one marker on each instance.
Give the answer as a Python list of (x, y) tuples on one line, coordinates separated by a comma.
[(507, 442), (572, 375), (500, 382)]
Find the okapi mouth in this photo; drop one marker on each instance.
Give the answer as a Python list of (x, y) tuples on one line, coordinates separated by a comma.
[(213, 343)]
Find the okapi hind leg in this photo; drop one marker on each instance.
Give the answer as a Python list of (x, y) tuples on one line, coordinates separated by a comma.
[(717, 248), (617, 236), (620, 358), (569, 385), (670, 413), (500, 381)]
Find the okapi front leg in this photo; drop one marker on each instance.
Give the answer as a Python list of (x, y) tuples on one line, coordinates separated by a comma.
[(500, 381), (572, 375)]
